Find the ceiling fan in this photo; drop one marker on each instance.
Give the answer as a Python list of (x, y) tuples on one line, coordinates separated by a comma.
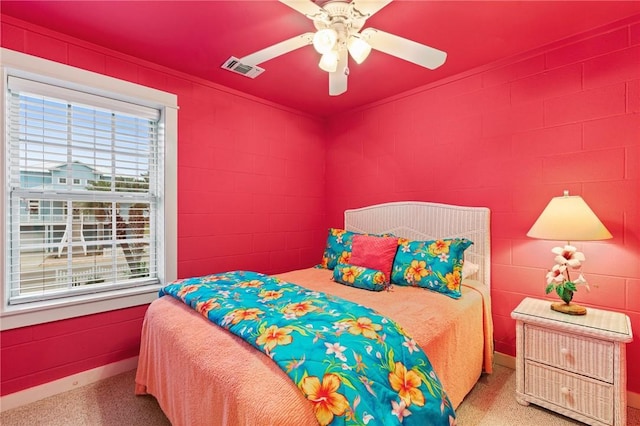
[(339, 24)]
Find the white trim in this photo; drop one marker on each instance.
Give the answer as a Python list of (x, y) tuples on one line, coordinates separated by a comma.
[(36, 393), (23, 315), (79, 79), (84, 378), (504, 360), (56, 91), (28, 66), (169, 271), (633, 400)]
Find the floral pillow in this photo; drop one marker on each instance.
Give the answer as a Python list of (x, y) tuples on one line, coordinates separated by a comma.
[(360, 277), (338, 249), (435, 265)]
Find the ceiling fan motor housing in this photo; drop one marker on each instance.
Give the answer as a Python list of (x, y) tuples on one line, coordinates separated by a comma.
[(342, 17)]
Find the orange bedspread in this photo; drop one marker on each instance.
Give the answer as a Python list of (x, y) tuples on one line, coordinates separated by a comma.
[(201, 374)]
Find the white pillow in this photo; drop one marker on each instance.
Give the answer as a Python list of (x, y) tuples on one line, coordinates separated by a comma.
[(468, 269)]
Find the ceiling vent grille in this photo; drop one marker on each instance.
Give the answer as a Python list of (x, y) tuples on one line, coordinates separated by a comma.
[(233, 64)]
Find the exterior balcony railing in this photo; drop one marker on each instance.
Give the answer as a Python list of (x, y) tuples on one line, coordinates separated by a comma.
[(42, 219)]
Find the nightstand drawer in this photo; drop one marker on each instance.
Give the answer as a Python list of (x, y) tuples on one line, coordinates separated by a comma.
[(578, 354), (581, 395)]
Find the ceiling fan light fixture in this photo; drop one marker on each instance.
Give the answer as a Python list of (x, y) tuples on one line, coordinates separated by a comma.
[(325, 40), (329, 61), (358, 48), (340, 32)]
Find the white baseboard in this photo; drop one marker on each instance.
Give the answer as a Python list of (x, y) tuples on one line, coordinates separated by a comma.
[(68, 383), (65, 384), (504, 360), (633, 399)]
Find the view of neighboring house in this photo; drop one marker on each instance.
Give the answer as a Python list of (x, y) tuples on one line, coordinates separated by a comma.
[(50, 229), (45, 221)]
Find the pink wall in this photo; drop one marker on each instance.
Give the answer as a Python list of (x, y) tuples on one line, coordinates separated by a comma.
[(251, 196), (512, 137), (508, 138), (39, 354)]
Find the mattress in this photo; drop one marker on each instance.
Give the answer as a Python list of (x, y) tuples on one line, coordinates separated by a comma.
[(201, 374)]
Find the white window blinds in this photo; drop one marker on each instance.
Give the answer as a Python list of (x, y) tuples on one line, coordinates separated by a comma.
[(84, 189)]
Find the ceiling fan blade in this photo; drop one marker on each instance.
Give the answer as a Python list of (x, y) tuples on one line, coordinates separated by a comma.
[(278, 49), (403, 48), (369, 7), (338, 79), (306, 7)]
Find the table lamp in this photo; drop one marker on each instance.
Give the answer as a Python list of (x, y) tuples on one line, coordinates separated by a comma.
[(567, 218)]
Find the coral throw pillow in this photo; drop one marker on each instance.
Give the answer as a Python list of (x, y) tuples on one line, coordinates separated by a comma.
[(374, 252)]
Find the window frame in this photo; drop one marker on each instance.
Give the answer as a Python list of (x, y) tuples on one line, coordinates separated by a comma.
[(27, 66)]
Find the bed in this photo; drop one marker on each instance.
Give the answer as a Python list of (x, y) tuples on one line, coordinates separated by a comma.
[(202, 374)]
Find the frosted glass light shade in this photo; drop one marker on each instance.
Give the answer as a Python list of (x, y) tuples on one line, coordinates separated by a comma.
[(358, 49), (324, 40), (329, 61), (568, 218)]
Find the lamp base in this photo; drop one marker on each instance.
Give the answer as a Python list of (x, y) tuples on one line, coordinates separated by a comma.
[(569, 308)]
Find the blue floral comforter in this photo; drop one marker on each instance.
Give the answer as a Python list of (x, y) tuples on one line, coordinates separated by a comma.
[(354, 365)]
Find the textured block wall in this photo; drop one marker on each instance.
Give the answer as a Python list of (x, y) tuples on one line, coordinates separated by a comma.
[(510, 137), (250, 196), (252, 190), (39, 354)]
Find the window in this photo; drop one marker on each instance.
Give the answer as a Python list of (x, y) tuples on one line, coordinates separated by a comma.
[(34, 206), (86, 205)]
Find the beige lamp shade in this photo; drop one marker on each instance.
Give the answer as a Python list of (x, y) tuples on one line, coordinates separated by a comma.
[(568, 218)]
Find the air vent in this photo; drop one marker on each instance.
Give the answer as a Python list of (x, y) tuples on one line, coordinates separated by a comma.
[(233, 64)]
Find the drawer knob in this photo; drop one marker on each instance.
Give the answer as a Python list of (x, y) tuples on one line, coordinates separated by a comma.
[(564, 351), (565, 390)]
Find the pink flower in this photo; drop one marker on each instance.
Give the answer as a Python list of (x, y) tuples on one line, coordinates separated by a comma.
[(411, 345), (400, 410), (568, 255), (336, 349), (556, 274), (559, 277), (581, 280)]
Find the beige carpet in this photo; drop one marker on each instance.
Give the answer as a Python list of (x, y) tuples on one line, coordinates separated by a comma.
[(111, 402)]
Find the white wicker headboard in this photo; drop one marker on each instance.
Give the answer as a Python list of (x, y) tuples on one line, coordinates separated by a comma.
[(417, 220)]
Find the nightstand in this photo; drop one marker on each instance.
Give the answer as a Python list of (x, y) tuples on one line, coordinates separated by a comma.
[(574, 365)]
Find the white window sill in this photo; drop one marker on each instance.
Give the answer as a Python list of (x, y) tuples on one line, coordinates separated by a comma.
[(40, 312)]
